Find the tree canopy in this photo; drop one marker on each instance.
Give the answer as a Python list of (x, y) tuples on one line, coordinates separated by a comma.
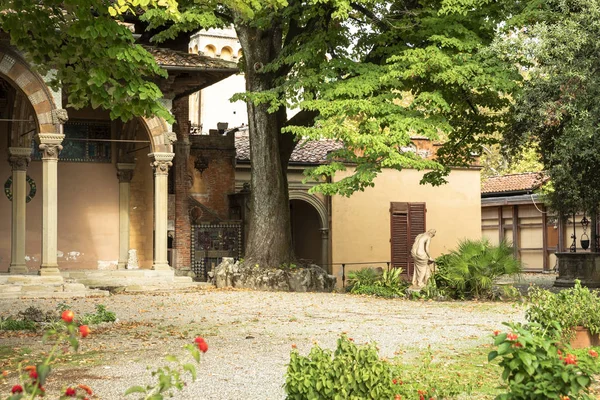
[(558, 106), (370, 73)]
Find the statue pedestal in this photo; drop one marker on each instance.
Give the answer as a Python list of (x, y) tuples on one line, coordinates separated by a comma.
[(584, 266)]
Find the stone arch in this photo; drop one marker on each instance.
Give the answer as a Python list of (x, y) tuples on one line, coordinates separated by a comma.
[(315, 202), (226, 53), (210, 50), (15, 70), (161, 137)]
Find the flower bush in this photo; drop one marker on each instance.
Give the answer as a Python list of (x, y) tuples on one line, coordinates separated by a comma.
[(577, 306), (536, 366), (33, 377), (169, 378)]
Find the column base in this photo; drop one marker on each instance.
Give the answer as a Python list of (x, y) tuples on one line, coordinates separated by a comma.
[(122, 265), (18, 269), (161, 266), (49, 271)]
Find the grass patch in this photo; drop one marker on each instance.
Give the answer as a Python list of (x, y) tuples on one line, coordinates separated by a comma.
[(10, 324)]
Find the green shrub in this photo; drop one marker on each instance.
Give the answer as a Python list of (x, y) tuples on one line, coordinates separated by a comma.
[(471, 270), (352, 372), (10, 324), (535, 368), (368, 281), (101, 315), (378, 290), (362, 277), (577, 306)]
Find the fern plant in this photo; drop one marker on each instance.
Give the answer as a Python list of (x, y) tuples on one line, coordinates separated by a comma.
[(471, 270)]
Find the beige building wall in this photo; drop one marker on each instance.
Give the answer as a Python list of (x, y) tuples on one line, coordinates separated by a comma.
[(88, 216), (361, 223)]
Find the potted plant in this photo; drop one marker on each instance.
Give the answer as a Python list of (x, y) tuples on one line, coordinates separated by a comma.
[(577, 310)]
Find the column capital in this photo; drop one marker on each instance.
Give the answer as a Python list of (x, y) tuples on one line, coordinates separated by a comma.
[(324, 232), (50, 144), (161, 162), (125, 171), (19, 158)]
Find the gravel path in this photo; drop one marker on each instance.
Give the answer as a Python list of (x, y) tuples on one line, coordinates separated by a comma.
[(250, 334)]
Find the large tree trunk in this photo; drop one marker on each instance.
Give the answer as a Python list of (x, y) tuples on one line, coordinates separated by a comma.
[(269, 238)]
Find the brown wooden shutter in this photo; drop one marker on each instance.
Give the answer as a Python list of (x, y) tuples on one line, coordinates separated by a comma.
[(407, 220)]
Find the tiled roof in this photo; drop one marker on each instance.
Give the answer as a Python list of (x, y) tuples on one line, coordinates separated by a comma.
[(172, 58), (310, 152), (514, 182)]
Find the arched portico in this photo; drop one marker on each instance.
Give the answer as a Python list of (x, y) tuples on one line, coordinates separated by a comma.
[(49, 134), (46, 127), (323, 218)]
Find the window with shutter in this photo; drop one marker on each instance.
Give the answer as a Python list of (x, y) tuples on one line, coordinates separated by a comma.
[(407, 220)]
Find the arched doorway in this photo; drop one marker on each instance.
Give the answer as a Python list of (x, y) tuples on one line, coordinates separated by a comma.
[(310, 228)]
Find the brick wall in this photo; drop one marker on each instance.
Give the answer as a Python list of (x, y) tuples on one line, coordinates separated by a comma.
[(212, 186), (180, 208)]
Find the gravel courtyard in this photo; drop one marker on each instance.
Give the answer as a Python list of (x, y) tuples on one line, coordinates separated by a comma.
[(250, 335)]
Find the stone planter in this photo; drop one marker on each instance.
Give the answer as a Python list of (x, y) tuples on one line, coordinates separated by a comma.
[(583, 338), (584, 266)]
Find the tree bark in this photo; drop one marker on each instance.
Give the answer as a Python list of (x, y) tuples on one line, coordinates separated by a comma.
[(269, 241)]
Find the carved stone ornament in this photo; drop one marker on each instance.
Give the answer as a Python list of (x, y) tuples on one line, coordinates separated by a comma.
[(19, 163), (170, 137), (50, 150), (125, 175), (60, 116), (161, 167)]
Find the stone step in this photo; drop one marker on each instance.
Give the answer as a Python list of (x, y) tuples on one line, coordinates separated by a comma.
[(49, 291)]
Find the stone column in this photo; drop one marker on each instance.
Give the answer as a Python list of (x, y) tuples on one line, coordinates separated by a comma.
[(325, 249), (124, 173), (161, 163), (19, 159), (50, 146)]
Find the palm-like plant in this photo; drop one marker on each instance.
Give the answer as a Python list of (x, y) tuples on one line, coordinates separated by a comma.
[(472, 269)]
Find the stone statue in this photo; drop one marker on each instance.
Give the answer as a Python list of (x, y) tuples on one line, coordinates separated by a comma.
[(422, 259)]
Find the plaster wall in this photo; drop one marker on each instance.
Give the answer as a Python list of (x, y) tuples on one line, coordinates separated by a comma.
[(361, 223), (88, 216)]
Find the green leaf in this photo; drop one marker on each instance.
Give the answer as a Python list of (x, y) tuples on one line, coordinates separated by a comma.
[(135, 389), (191, 369)]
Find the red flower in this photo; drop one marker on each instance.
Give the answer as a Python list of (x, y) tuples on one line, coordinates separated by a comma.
[(512, 336), (496, 332), (571, 359), (517, 345), (202, 345), (84, 330), (17, 389), (70, 392), (593, 353), (397, 397), (87, 389), (33, 374), (394, 381), (67, 316)]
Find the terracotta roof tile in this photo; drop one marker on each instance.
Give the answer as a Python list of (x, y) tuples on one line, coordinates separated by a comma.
[(172, 58), (514, 182), (307, 151)]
